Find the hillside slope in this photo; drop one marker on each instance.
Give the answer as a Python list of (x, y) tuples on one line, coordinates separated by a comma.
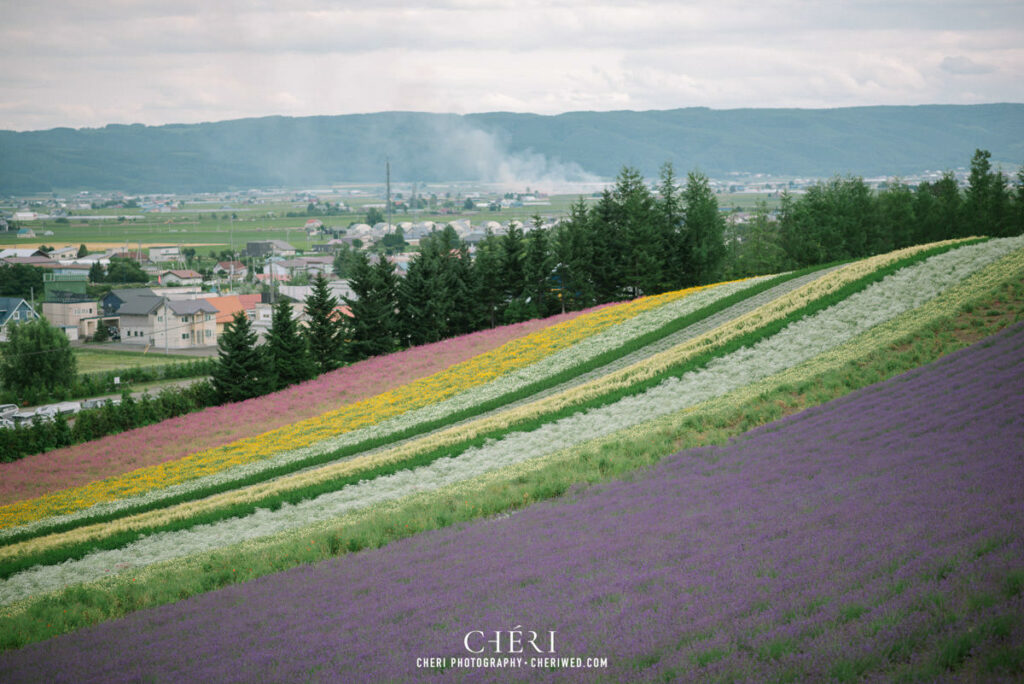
[(878, 534), (589, 399)]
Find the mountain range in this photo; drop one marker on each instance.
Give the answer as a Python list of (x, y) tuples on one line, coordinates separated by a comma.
[(507, 147)]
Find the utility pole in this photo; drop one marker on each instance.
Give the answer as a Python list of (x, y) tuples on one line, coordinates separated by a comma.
[(387, 167)]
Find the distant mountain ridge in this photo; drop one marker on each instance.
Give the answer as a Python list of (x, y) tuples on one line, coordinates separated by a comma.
[(501, 146)]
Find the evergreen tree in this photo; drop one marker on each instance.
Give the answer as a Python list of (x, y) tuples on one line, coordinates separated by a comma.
[(670, 214), (286, 349), (241, 370), (420, 320), (987, 201), (573, 253), (538, 268), (513, 251), (324, 333), (486, 282), (1018, 204), (373, 327), (644, 248), (938, 210), (895, 218), (609, 249), (704, 231)]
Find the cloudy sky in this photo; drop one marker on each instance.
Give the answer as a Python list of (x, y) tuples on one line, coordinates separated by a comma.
[(83, 63)]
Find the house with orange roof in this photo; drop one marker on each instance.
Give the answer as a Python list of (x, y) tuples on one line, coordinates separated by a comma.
[(227, 306)]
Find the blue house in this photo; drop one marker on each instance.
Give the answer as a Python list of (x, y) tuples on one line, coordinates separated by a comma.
[(14, 310)]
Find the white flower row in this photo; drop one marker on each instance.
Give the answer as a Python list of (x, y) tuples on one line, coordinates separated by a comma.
[(900, 292), (613, 337)]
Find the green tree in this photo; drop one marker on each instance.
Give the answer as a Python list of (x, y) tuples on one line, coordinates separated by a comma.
[(703, 239), (374, 216), (513, 252), (538, 269), (20, 280), (987, 201), (895, 217), (670, 215), (372, 329), (643, 256), (343, 261), (123, 270), (323, 334), (37, 359), (487, 282), (759, 252), (573, 258), (82, 250), (286, 350), (96, 273), (394, 242), (938, 208), (241, 370)]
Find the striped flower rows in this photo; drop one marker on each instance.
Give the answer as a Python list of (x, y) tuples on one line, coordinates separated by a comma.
[(800, 341), (502, 420), (607, 340), (427, 391)]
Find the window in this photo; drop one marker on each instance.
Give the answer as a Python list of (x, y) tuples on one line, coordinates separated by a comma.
[(184, 336), (209, 333)]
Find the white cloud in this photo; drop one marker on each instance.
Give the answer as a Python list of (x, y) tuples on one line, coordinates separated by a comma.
[(964, 66), (78, 63)]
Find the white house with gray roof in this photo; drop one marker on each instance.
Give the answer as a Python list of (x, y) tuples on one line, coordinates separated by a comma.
[(168, 323)]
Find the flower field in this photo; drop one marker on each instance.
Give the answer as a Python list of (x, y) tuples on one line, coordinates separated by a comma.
[(711, 565)]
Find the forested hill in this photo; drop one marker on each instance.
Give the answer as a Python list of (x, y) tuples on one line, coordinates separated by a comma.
[(507, 147)]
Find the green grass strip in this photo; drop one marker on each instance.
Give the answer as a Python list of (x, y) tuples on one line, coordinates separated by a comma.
[(621, 455), (273, 502)]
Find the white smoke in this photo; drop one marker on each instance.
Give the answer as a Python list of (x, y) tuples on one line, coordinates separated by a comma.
[(489, 160)]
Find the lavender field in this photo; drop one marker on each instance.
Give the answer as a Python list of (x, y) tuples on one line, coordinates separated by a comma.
[(878, 536)]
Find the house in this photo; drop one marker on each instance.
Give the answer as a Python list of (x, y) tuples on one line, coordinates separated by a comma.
[(167, 323), (29, 261), (179, 278), (233, 270), (114, 299), (26, 233), (14, 310), (62, 253), (265, 248), (22, 252), (264, 317), (78, 319), (229, 305), (172, 253)]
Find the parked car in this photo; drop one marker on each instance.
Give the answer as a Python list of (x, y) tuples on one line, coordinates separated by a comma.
[(66, 407), (96, 403), (47, 413), (23, 417)]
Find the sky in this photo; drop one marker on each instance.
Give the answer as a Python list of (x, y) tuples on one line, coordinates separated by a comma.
[(82, 63)]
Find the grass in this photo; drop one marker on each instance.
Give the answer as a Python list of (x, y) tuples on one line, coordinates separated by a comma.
[(43, 617), (100, 360)]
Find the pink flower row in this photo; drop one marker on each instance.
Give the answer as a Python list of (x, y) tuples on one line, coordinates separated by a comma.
[(172, 439)]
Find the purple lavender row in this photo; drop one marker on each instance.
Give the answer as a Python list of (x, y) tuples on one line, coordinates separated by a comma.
[(859, 534)]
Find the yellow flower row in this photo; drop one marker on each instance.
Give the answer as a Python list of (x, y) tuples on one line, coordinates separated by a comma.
[(437, 387), (773, 310)]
